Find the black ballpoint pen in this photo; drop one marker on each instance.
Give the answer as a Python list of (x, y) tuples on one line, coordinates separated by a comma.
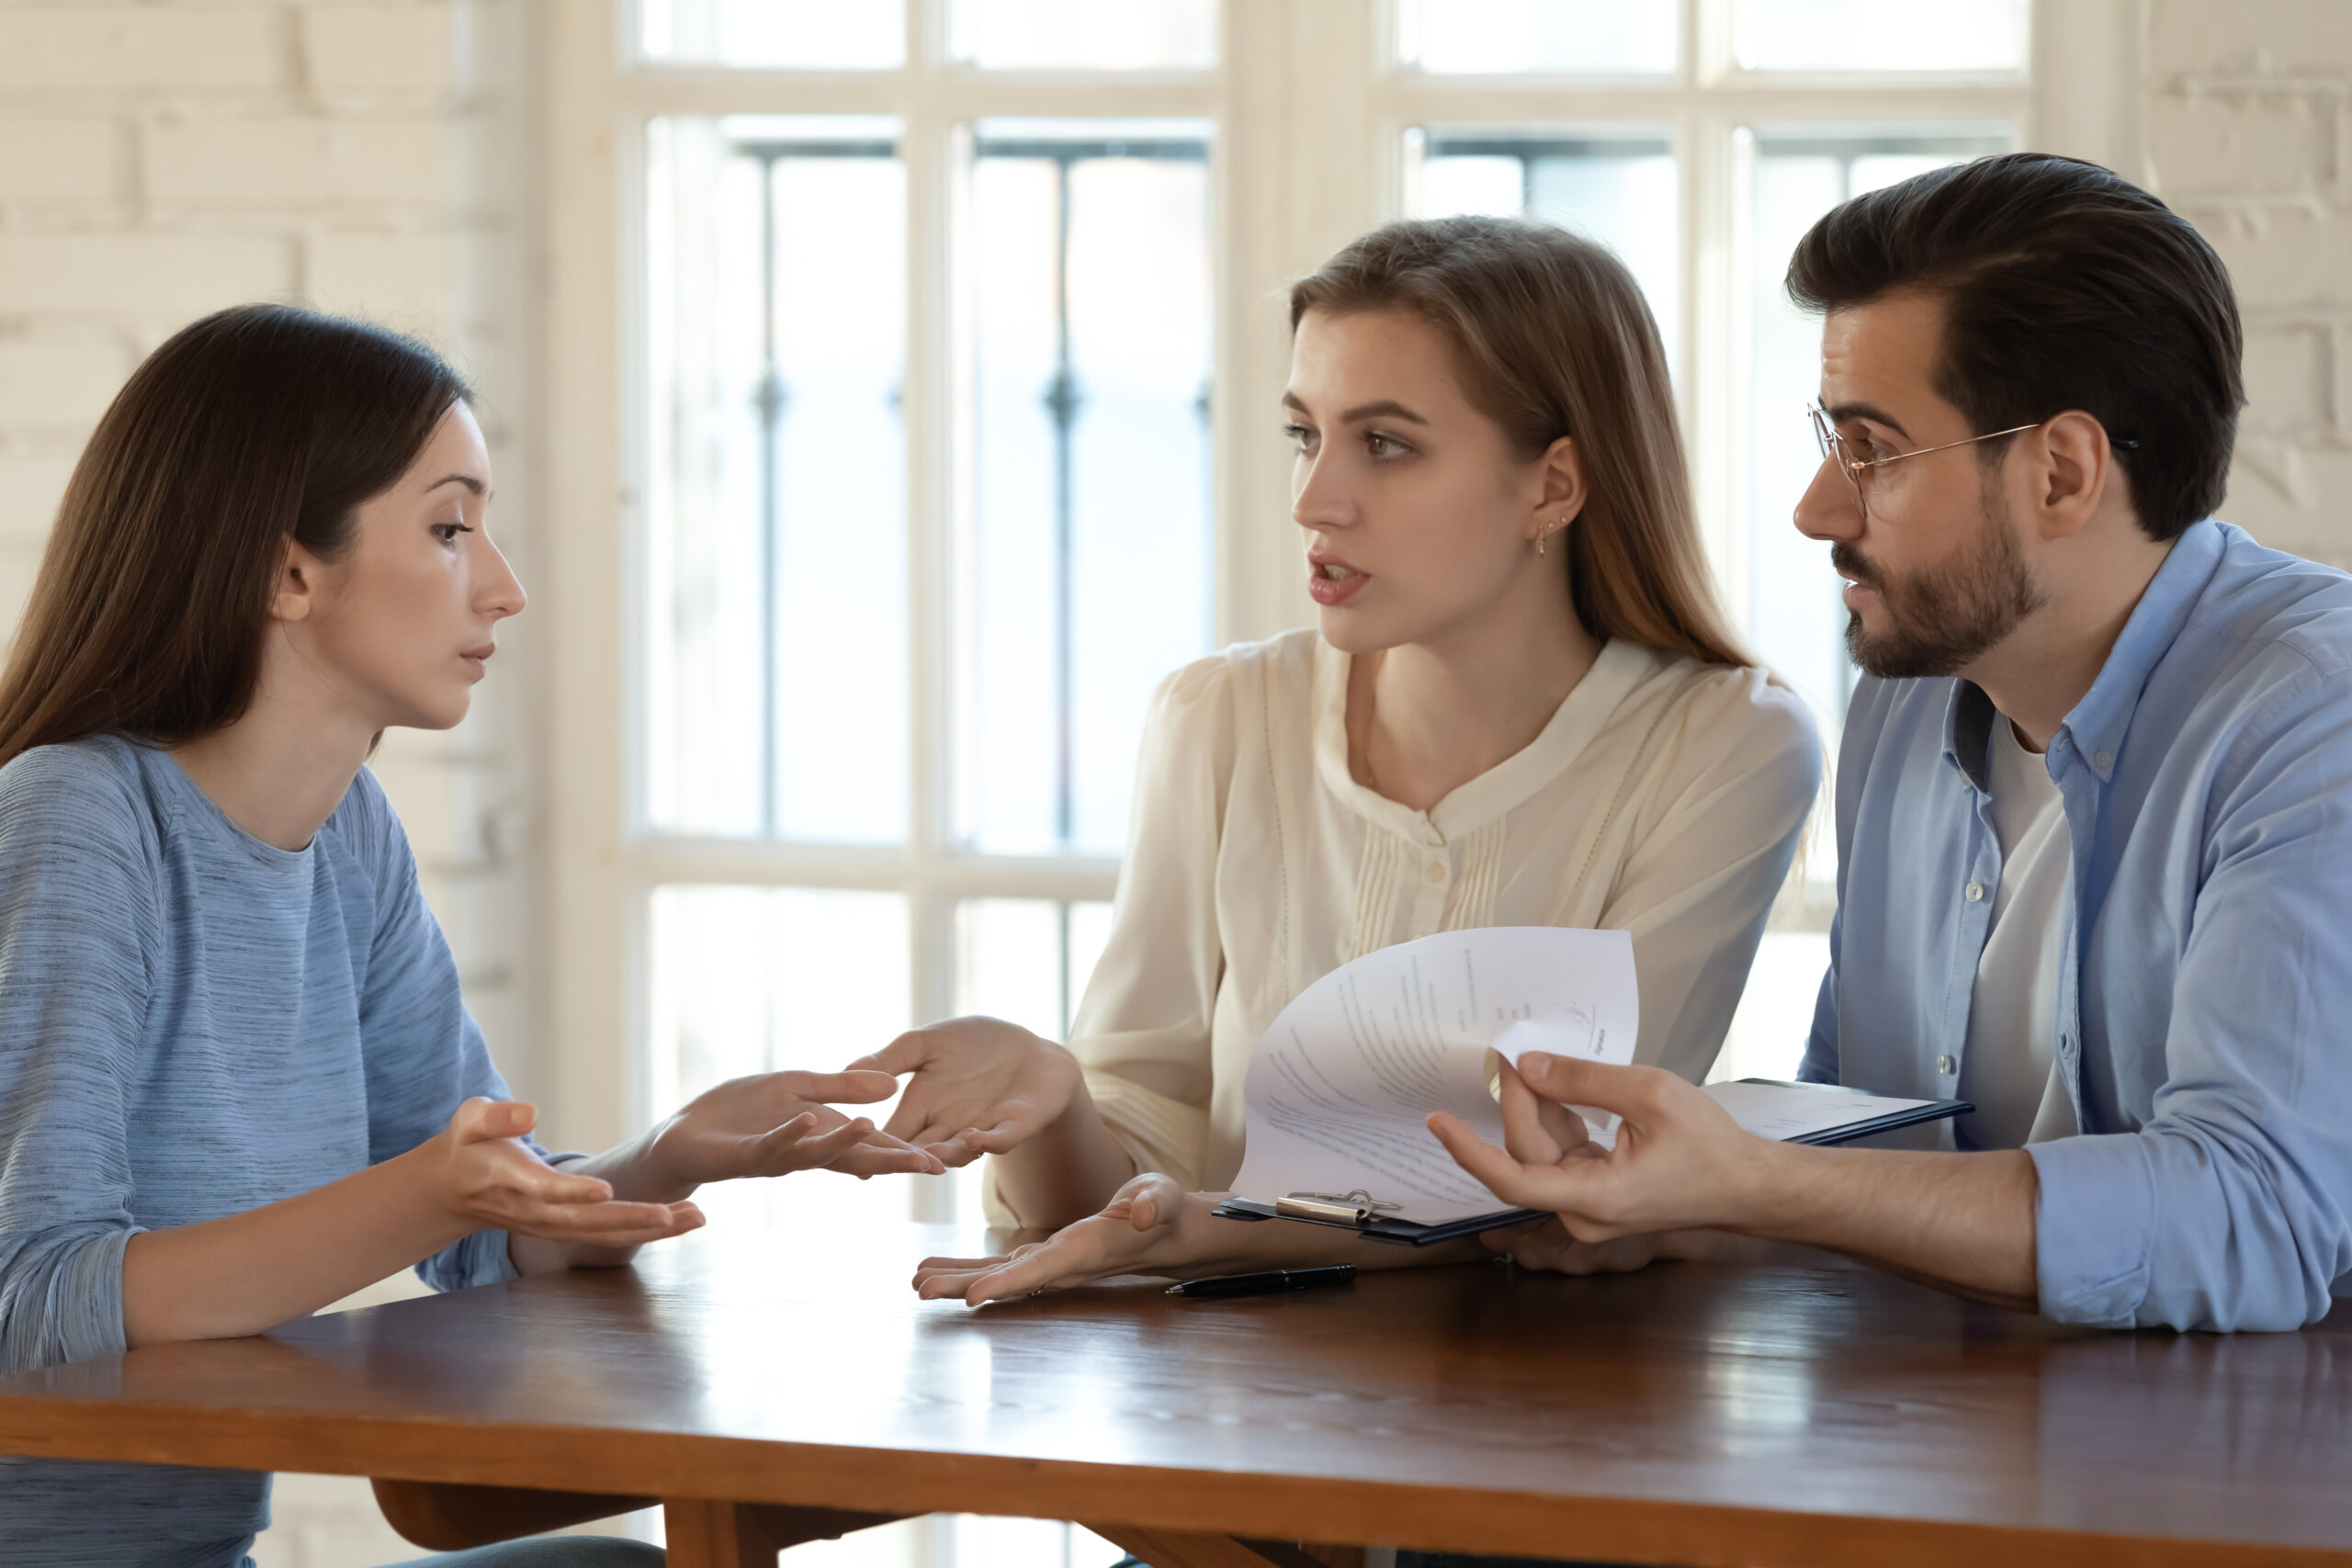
[(1264, 1285)]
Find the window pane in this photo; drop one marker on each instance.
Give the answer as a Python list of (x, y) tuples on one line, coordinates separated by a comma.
[(1027, 960), (1618, 189), (1131, 35), (776, 670), (762, 979), (1796, 622), (1515, 37), (985, 1540), (1880, 35), (810, 34), (1768, 1033), (1085, 565)]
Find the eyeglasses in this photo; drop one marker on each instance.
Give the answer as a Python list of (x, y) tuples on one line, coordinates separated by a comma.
[(1857, 472)]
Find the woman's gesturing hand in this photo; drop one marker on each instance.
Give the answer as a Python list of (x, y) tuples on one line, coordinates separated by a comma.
[(481, 1174), (774, 1123), (1149, 1228), (980, 1086)]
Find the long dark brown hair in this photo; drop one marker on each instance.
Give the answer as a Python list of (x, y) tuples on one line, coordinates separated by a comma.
[(1552, 338), (257, 427)]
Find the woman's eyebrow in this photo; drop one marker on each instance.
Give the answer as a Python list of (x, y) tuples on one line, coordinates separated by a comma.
[(468, 480), (1387, 408)]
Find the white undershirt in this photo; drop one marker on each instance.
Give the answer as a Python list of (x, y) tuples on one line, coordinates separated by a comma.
[(2009, 1071)]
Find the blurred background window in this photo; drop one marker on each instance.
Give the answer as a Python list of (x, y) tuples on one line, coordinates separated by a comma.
[(932, 456)]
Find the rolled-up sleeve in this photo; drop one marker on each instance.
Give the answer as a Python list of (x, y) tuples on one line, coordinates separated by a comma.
[(75, 914), (2226, 1208)]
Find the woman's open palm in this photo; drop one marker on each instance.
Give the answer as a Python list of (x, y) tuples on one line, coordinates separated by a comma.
[(1137, 1233)]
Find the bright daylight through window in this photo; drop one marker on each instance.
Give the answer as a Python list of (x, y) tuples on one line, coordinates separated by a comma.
[(932, 440), (931, 444)]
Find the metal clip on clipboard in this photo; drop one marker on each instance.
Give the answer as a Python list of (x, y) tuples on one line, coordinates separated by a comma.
[(1367, 1216), (1355, 1207)]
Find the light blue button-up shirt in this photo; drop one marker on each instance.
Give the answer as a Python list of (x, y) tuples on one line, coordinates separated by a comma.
[(2204, 1028)]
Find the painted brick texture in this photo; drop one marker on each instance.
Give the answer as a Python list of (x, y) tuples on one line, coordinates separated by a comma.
[(160, 159), (2249, 135)]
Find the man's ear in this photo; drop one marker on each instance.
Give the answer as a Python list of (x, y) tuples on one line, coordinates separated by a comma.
[(2075, 474), (299, 575), (1564, 488)]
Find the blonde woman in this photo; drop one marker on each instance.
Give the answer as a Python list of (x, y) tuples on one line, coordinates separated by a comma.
[(1521, 707)]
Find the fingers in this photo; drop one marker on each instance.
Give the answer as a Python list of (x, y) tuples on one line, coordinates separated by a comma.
[(904, 1055), (799, 1145), (1153, 1199), (1065, 1258), (525, 1174), (481, 1119), (1529, 1186), (604, 1224), (949, 1278), (867, 1157), (1550, 1248), (954, 1152), (1002, 1139), (960, 1146), (1527, 1133), (1572, 1080), (852, 1086), (1042, 1270)]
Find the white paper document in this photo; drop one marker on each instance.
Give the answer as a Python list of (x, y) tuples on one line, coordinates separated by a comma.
[(1340, 1087), (1789, 1111)]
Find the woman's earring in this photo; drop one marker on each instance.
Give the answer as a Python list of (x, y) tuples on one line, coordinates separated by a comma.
[(1547, 533)]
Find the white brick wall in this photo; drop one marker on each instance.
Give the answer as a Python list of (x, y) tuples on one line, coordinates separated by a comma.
[(2249, 128), (161, 159)]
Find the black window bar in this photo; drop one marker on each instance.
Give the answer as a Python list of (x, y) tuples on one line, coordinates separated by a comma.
[(770, 397), (1064, 400), (1531, 150)]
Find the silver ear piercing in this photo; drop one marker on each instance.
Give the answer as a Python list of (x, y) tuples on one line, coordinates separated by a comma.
[(1548, 533)]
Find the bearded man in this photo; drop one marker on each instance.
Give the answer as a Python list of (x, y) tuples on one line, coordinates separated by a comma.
[(2094, 800)]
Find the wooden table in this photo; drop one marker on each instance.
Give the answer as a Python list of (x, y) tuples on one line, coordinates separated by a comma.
[(1810, 1413)]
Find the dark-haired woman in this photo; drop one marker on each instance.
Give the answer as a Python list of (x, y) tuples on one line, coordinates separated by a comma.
[(1521, 707), (237, 1080)]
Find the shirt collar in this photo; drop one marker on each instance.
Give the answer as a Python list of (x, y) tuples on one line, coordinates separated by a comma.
[(2096, 727), (1620, 667), (2099, 721)]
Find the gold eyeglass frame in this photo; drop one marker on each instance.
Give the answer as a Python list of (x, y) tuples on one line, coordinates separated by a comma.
[(1833, 449)]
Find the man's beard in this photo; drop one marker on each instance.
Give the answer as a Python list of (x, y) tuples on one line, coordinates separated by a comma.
[(1938, 621)]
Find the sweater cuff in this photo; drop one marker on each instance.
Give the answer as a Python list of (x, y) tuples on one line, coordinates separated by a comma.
[(77, 1315)]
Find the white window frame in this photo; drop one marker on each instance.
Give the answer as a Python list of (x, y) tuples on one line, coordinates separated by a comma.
[(1306, 154)]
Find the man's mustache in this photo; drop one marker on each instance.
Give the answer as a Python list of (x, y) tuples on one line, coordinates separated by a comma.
[(1849, 564)]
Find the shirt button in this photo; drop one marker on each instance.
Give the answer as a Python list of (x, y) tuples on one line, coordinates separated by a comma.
[(1946, 1066), (1436, 871), (1975, 892), (2102, 761)]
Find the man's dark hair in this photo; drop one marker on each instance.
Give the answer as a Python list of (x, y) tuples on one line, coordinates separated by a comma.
[(2067, 287)]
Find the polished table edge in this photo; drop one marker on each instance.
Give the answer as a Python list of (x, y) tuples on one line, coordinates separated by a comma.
[(642, 1462), (451, 1516)]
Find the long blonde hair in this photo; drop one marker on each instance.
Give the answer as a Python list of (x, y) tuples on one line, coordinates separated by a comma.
[(1554, 340)]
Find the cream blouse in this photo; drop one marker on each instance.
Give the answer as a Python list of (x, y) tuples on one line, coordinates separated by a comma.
[(1664, 797)]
